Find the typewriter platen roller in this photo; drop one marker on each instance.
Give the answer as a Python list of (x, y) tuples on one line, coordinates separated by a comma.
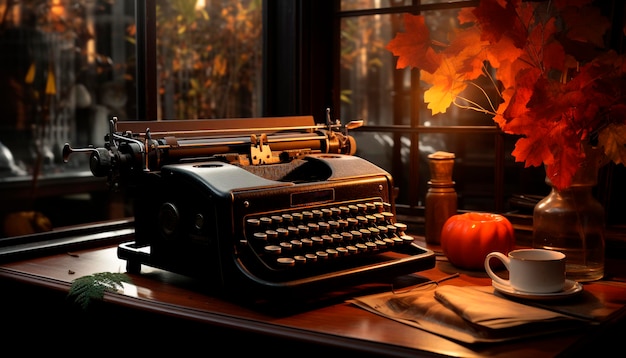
[(273, 207)]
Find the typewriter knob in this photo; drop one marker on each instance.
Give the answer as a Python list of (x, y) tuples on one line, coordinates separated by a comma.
[(168, 219), (100, 162)]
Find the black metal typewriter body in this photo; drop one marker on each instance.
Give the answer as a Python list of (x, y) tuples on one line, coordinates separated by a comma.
[(283, 210)]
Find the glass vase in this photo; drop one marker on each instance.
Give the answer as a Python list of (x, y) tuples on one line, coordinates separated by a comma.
[(573, 221)]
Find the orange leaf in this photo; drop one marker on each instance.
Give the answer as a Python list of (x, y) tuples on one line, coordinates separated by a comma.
[(413, 48), (503, 51), (467, 53), (446, 85), (613, 138)]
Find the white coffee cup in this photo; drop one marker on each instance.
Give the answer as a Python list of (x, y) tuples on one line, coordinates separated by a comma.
[(530, 270)]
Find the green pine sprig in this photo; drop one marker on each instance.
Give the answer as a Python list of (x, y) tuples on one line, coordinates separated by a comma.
[(92, 287)]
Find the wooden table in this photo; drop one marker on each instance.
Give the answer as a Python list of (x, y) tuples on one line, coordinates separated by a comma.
[(162, 311)]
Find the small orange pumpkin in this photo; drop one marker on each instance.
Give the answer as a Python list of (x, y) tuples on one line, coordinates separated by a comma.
[(467, 238)]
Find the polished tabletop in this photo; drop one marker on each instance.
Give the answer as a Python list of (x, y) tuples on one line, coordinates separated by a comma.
[(332, 322)]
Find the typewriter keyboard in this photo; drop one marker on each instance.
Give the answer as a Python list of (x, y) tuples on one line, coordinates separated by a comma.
[(325, 235)]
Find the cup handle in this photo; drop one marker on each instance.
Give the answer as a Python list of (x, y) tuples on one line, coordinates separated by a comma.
[(505, 260)]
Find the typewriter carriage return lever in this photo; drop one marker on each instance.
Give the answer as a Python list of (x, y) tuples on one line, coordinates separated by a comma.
[(272, 207)]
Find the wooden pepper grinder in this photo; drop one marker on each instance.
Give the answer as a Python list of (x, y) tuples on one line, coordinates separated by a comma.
[(441, 198)]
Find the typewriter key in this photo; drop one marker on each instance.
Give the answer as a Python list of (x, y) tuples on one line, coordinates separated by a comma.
[(260, 236), (282, 232), (265, 221), (332, 253), (324, 227), (286, 261), (321, 255), (318, 240), (379, 206), (273, 249), (303, 230), (276, 220), (361, 247), (362, 221), (389, 217), (287, 219), (271, 234), (352, 249), (346, 237), (297, 218), (327, 239), (293, 231), (352, 223), (317, 214), (306, 242), (401, 228), (406, 239), (253, 222), (313, 227)]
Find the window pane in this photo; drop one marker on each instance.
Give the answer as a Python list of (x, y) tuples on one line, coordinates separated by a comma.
[(474, 171), (367, 69), (65, 70), (209, 55)]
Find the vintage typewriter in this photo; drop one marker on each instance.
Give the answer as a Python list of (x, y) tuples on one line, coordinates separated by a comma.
[(267, 206)]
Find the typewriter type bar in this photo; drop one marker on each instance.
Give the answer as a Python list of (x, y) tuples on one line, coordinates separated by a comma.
[(274, 207)]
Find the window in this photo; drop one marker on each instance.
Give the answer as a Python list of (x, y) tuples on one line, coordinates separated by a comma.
[(400, 131), (209, 56), (69, 66), (66, 67)]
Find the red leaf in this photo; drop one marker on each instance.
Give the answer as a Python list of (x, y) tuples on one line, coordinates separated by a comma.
[(533, 151), (497, 20), (413, 47), (585, 24), (524, 89)]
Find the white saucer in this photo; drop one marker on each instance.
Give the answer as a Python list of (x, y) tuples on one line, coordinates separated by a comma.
[(571, 288)]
